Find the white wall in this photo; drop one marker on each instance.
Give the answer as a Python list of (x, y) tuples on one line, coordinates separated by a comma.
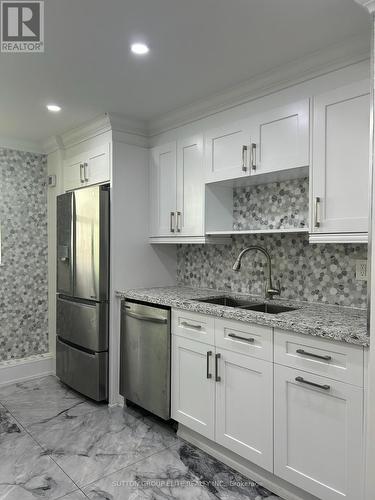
[(134, 262)]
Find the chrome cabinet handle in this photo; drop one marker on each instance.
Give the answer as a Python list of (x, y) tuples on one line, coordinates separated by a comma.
[(81, 178), (171, 222), (317, 212), (244, 158), (190, 325), (178, 225), (253, 156), (313, 355), (217, 377), (85, 171), (238, 337), (307, 382), (208, 374)]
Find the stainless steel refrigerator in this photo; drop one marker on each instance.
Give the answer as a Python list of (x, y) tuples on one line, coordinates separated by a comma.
[(82, 308)]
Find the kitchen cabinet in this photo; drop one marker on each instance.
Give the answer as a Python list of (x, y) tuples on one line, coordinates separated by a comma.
[(163, 175), (88, 168), (340, 164), (223, 395), (318, 434), (289, 403), (177, 189), (227, 151), (275, 140), (193, 385), (244, 406)]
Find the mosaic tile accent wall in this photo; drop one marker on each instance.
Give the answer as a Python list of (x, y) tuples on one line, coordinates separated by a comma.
[(23, 273), (311, 272), (273, 206)]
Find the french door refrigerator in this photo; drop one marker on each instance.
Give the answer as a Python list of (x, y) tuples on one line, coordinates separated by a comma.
[(83, 290)]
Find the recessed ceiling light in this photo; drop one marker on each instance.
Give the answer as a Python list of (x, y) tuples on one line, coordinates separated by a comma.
[(139, 48), (53, 107)]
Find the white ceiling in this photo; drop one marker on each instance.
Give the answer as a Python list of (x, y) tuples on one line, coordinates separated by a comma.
[(197, 48)]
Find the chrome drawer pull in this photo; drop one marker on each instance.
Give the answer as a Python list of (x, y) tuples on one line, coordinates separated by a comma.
[(254, 156), (244, 158), (234, 336), (317, 212), (312, 355), (171, 222), (303, 381), (189, 325), (217, 357), (209, 375)]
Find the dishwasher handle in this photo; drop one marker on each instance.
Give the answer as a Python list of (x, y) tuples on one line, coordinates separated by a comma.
[(143, 317)]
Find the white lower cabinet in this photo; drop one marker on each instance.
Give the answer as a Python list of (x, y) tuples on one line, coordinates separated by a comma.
[(193, 385), (244, 407), (304, 425), (319, 434)]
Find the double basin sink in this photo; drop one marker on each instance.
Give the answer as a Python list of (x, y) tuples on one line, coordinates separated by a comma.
[(245, 304)]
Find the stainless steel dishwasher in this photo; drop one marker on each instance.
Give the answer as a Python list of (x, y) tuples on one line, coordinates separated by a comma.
[(145, 371)]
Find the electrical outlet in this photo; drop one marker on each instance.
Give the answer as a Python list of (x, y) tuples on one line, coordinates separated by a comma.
[(361, 270)]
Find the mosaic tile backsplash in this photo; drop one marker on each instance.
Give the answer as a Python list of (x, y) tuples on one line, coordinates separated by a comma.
[(273, 206), (23, 273), (310, 272)]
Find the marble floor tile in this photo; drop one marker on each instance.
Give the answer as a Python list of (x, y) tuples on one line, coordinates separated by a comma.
[(182, 472), (43, 399), (26, 473), (97, 443), (76, 495)]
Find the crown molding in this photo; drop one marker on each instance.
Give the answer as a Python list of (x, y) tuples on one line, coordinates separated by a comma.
[(21, 145), (367, 4), (353, 50), (108, 122)]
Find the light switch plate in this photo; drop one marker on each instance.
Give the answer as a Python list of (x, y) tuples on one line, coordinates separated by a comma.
[(361, 270)]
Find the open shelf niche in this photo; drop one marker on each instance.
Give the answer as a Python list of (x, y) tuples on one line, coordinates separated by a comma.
[(259, 205)]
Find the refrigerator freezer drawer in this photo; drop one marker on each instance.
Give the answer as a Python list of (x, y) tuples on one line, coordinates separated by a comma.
[(83, 323), (85, 372)]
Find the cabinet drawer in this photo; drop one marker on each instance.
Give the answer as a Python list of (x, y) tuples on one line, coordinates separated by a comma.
[(335, 360), (244, 338), (193, 326)]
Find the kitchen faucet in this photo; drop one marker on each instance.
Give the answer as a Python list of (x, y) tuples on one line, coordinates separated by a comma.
[(270, 291)]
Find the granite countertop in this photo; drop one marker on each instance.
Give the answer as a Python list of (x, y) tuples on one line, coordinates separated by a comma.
[(343, 324)]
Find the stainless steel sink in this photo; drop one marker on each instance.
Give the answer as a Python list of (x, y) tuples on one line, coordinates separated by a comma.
[(224, 300), (227, 301), (269, 308)]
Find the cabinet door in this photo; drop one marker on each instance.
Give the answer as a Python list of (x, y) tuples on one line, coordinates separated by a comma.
[(340, 167), (244, 407), (97, 165), (73, 173), (163, 190), (318, 434), (190, 187), (227, 152), (281, 139), (193, 386)]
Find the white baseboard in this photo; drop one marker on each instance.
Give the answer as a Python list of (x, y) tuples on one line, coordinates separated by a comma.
[(264, 478), (18, 370)]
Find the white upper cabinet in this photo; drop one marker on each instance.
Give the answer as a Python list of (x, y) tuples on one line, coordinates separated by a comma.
[(88, 168), (340, 164), (190, 187), (319, 434), (227, 152), (281, 139), (272, 141), (163, 190), (177, 189)]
